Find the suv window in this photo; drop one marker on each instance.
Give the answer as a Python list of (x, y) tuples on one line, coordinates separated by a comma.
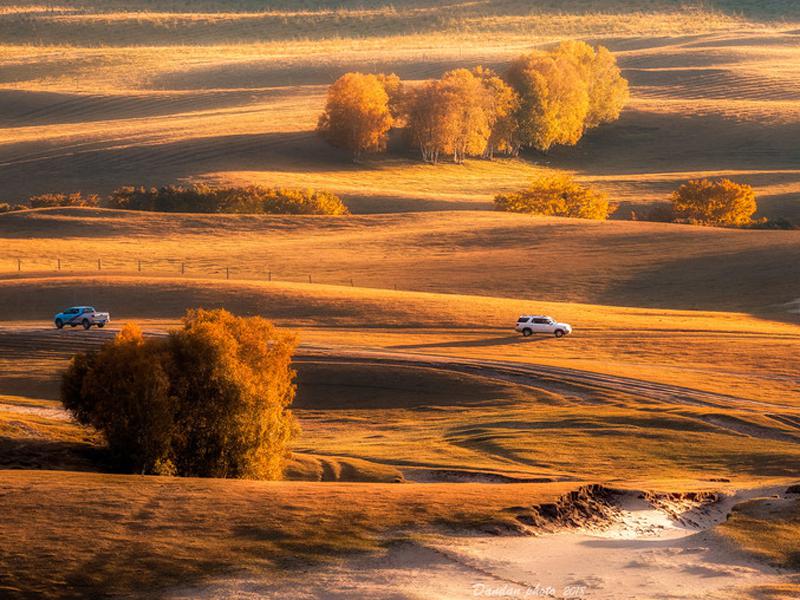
[(523, 320), (541, 321)]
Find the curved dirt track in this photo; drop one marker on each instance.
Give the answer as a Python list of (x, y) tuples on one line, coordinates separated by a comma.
[(572, 385)]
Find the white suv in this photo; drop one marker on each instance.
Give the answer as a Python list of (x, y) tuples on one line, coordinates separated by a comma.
[(528, 325)]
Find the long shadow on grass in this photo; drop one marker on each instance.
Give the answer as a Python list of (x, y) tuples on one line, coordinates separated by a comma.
[(755, 280), (507, 340), (51, 455)]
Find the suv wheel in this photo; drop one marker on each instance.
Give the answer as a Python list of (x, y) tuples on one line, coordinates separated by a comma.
[(559, 333), (59, 324), (100, 325), (527, 332), (86, 324)]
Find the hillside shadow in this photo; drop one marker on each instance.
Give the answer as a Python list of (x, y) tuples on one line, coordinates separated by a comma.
[(756, 281), (27, 169), (507, 340), (270, 73), (25, 108), (650, 142), (350, 385), (52, 455)]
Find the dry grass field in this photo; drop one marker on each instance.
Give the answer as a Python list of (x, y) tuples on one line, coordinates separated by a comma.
[(96, 95), (424, 416), (478, 253)]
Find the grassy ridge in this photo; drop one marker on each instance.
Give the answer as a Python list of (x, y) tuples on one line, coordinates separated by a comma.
[(169, 23), (232, 97), (481, 253)]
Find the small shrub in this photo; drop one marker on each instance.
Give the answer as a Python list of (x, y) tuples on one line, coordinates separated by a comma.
[(57, 200), (211, 400), (242, 200), (719, 202), (5, 207), (556, 195)]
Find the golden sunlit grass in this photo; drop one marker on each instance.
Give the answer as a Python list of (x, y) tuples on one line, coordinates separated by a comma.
[(496, 429), (114, 93), (768, 528), (727, 353), (106, 534), (420, 419), (233, 96), (480, 253)]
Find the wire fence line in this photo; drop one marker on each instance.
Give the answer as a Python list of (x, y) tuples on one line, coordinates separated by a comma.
[(191, 269)]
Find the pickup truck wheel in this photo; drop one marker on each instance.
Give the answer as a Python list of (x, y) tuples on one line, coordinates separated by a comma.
[(559, 333), (59, 324), (101, 325), (86, 324), (527, 332)]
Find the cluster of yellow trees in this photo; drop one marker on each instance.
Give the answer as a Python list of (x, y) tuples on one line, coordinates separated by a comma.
[(544, 99)]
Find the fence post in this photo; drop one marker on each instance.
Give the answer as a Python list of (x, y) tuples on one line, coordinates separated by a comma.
[(269, 276), (309, 279), (59, 264), (99, 266), (139, 266), (19, 264), (227, 273), (351, 282), (183, 268)]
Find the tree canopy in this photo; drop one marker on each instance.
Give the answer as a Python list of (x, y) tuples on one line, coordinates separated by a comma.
[(211, 400), (357, 114), (565, 92), (546, 98)]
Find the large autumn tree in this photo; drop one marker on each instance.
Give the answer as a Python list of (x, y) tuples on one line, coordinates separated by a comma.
[(554, 100), (211, 400), (452, 116), (564, 92), (357, 114), (503, 103), (608, 89)]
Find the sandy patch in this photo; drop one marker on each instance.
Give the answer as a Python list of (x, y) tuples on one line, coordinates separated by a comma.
[(644, 554)]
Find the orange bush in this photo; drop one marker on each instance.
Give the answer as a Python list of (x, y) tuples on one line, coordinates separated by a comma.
[(719, 202), (212, 400), (556, 195)]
